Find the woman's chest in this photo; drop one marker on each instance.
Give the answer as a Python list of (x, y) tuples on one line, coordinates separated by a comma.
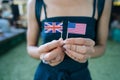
[(68, 8)]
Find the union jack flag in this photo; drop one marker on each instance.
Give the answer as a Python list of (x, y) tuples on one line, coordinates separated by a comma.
[(53, 27)]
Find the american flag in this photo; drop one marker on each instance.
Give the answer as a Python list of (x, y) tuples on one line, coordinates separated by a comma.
[(77, 28), (53, 27)]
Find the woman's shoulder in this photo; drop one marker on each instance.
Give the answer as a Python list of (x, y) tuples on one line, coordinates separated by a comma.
[(32, 3), (108, 4)]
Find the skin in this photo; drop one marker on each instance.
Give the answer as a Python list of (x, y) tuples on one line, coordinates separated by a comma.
[(79, 49)]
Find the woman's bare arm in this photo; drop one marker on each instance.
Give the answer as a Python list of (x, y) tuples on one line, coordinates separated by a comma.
[(103, 27), (33, 30)]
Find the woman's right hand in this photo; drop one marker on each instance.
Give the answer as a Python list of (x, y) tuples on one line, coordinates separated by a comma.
[(52, 52)]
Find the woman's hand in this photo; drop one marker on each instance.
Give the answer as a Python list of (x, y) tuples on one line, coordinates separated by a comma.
[(79, 49), (54, 57), (52, 52)]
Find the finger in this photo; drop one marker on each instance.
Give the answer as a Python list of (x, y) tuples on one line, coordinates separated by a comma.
[(58, 60), (80, 49), (42, 56), (43, 60), (67, 46), (59, 57), (76, 48), (54, 64), (50, 46), (80, 41), (83, 49), (53, 54), (76, 56), (88, 56), (61, 41), (89, 42)]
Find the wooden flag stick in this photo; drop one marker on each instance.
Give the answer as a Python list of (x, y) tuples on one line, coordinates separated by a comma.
[(67, 34), (61, 31), (61, 34)]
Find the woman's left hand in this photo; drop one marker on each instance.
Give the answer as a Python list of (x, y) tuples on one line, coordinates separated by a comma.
[(79, 49)]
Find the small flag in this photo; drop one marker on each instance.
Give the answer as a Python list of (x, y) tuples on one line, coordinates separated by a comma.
[(77, 28), (53, 27)]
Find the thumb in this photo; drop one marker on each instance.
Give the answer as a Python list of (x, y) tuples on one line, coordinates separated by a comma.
[(51, 55), (61, 41)]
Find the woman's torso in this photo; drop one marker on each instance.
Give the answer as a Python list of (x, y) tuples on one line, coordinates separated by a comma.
[(83, 12)]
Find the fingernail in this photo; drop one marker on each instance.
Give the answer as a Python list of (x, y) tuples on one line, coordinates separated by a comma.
[(60, 39), (64, 41), (61, 43), (41, 57), (54, 40), (65, 47)]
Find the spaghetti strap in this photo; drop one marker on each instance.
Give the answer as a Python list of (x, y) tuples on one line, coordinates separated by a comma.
[(44, 5), (94, 8), (38, 8), (100, 7)]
